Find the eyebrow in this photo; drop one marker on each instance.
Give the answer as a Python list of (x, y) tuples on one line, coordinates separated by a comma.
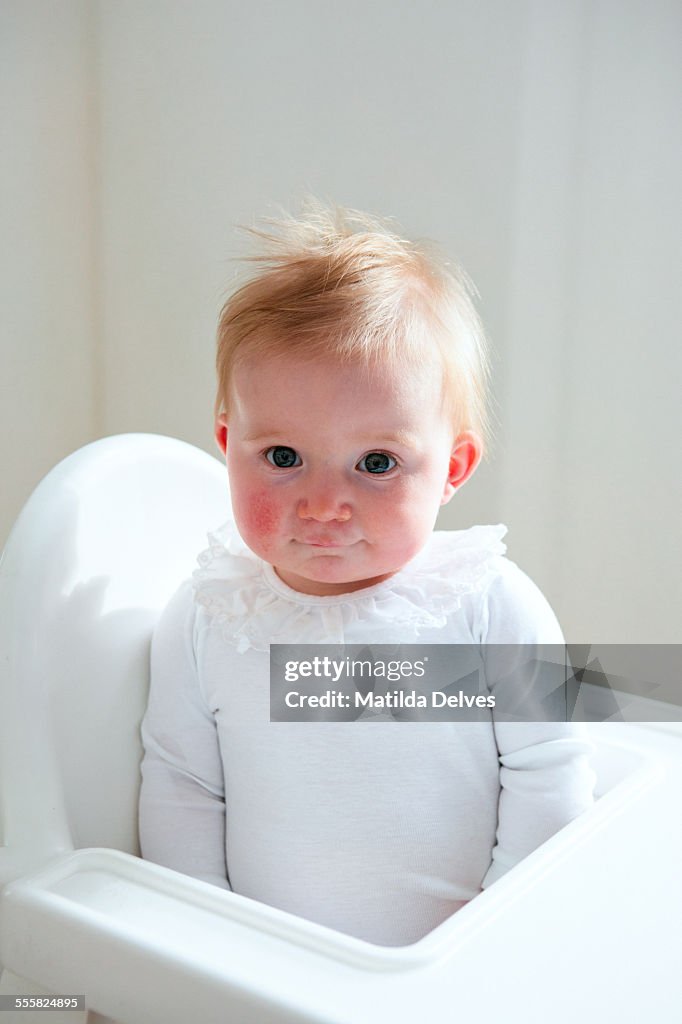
[(398, 437)]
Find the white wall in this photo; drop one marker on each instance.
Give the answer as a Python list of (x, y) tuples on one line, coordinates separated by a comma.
[(48, 259), (593, 360), (534, 140)]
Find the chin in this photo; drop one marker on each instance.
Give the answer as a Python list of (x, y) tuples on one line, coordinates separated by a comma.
[(325, 571)]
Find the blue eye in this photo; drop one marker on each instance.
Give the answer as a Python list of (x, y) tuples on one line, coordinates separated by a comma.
[(377, 462), (282, 457)]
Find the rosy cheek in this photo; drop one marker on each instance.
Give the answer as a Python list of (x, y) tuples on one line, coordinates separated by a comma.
[(262, 515)]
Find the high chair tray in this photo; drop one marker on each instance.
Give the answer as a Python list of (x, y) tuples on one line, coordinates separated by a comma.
[(588, 924)]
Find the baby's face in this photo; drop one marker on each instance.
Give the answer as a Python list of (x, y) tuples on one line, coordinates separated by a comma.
[(337, 475)]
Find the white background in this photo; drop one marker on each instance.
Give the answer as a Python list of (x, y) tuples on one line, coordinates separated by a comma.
[(538, 141)]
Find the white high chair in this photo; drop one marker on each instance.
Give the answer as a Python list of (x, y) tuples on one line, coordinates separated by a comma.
[(97, 551)]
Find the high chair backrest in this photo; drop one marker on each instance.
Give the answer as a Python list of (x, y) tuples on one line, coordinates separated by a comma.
[(96, 553)]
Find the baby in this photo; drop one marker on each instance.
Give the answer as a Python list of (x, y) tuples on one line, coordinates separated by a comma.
[(351, 407)]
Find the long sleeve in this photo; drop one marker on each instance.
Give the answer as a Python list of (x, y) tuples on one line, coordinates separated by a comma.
[(545, 773), (182, 805)]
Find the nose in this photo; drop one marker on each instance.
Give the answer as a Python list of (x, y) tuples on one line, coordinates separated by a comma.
[(323, 504)]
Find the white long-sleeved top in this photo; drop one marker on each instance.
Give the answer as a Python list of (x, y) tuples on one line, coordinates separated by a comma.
[(375, 829)]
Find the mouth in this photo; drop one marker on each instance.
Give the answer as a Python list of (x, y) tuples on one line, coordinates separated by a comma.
[(324, 542)]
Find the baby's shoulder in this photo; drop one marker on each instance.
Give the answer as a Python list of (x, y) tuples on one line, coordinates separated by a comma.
[(506, 606), (501, 602), (223, 565)]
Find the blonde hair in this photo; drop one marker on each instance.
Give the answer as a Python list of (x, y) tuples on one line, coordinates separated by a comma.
[(337, 282)]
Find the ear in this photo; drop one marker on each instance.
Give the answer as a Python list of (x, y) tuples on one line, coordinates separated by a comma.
[(466, 454), (220, 432)]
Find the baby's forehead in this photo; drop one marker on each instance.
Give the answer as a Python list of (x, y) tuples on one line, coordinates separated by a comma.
[(286, 377), (293, 396), (318, 362)]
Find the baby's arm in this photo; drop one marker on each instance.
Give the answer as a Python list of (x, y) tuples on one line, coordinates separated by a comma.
[(182, 805), (545, 770)]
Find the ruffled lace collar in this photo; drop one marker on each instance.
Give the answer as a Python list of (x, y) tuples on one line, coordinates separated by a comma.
[(255, 608)]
